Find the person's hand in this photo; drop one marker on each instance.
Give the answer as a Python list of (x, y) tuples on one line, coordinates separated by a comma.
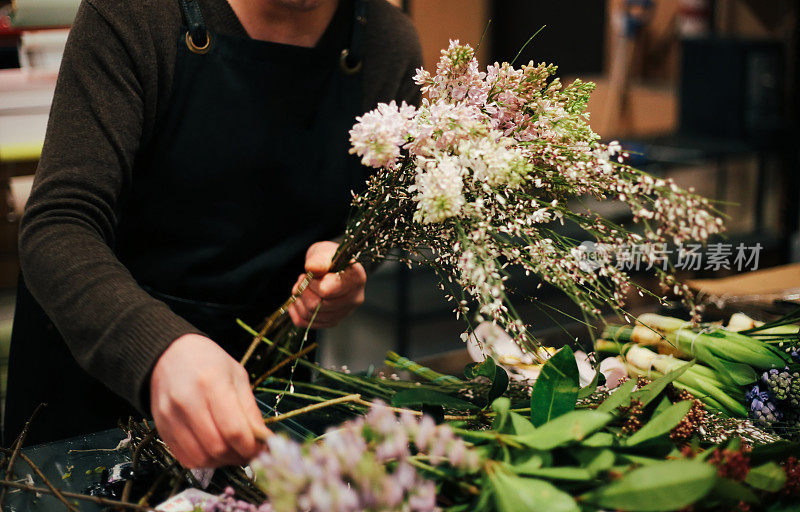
[(336, 294), (203, 406)]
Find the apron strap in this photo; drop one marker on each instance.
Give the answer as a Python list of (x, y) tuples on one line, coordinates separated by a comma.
[(198, 39), (351, 58)]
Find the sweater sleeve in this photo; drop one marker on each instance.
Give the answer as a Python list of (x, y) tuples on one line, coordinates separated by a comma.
[(113, 328)]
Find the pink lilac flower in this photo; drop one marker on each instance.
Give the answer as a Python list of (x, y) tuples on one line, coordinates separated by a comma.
[(360, 465)]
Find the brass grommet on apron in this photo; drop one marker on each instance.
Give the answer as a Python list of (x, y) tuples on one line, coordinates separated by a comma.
[(347, 69), (198, 49)]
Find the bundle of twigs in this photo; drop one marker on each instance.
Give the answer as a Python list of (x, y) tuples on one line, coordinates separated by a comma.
[(69, 499)]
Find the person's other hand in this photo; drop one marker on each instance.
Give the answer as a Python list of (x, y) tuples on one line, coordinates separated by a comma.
[(337, 294), (203, 406)]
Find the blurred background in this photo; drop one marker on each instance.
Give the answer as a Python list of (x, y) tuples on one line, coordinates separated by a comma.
[(702, 91)]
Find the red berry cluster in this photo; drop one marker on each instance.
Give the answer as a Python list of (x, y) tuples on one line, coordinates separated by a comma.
[(733, 464), (690, 423), (632, 415), (792, 468), (688, 451)]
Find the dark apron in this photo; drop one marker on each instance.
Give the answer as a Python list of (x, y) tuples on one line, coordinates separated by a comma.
[(249, 166)]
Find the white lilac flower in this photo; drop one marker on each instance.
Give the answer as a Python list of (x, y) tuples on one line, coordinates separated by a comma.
[(493, 159), (438, 188), (379, 134)]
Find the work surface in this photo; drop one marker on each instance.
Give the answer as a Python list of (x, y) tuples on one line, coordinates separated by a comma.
[(71, 465), (75, 464)]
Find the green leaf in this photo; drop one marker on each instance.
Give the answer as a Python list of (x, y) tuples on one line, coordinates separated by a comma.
[(532, 463), (513, 493), (768, 477), (572, 426), (651, 391), (556, 390), (420, 397), (518, 425), (668, 485), (704, 456), (774, 451), (639, 460), (732, 491), (662, 406), (501, 407), (499, 384), (489, 369), (661, 424), (621, 397), (737, 373), (587, 391), (573, 473), (485, 369), (595, 461), (599, 440)]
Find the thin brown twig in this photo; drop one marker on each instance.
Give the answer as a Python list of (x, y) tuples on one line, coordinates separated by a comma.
[(47, 482), (244, 485), (312, 407), (283, 363), (164, 474), (275, 316), (84, 497), (137, 455), (337, 261), (17, 447)]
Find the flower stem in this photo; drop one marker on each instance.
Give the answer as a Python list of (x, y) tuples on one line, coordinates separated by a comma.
[(441, 474), (313, 407), (284, 363)]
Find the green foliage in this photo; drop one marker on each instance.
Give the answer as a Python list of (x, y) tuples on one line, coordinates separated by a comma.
[(621, 397), (733, 492), (594, 461), (731, 371), (667, 485), (557, 473), (496, 375), (556, 390), (585, 452), (572, 426), (652, 390), (768, 477), (600, 440), (422, 397), (513, 493), (661, 423)]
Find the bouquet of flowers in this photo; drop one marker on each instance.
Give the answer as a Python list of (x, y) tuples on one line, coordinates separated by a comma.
[(478, 179)]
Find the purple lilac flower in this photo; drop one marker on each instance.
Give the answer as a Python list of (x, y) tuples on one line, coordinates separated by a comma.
[(362, 464)]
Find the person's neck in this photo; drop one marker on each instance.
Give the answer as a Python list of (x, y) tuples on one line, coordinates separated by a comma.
[(274, 21)]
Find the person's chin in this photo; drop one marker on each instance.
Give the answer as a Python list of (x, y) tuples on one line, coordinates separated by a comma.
[(301, 5)]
